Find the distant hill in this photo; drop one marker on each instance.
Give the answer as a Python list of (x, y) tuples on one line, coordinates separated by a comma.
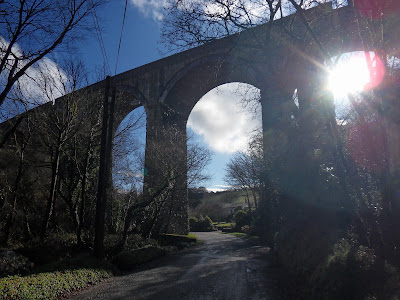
[(217, 205)]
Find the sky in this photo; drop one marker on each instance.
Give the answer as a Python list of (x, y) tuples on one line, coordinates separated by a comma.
[(218, 120)]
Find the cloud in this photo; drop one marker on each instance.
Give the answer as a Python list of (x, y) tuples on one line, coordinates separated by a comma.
[(151, 8), (219, 117), (222, 186), (242, 10), (43, 82)]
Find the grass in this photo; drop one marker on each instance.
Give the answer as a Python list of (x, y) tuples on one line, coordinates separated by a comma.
[(50, 285), (221, 225), (58, 279), (194, 237), (242, 235)]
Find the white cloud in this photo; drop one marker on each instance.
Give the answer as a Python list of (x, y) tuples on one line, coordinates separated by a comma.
[(151, 8), (222, 186), (43, 82), (243, 10), (219, 117), (214, 190)]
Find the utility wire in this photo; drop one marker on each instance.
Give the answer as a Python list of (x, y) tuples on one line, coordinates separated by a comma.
[(100, 39), (120, 38)]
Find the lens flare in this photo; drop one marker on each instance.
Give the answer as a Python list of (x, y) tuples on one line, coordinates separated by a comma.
[(351, 75), (374, 9)]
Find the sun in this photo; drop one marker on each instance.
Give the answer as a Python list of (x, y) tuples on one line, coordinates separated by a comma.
[(349, 76)]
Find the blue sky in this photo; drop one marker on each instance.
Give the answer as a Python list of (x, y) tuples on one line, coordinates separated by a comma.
[(219, 119), (220, 131)]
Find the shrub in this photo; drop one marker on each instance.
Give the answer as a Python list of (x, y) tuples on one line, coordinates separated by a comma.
[(50, 285), (204, 224), (207, 224), (241, 218), (193, 223), (250, 230), (12, 263)]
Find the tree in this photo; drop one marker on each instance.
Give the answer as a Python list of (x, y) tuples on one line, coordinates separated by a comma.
[(30, 30), (153, 212), (245, 169), (339, 177), (198, 158), (191, 23)]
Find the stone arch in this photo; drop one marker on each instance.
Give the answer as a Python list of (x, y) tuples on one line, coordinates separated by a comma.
[(193, 81), (127, 99)]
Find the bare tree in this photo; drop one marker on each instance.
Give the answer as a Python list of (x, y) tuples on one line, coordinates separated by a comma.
[(30, 30), (245, 169), (198, 158), (190, 23)]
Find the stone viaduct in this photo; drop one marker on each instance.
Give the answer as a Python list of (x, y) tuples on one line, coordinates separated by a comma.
[(277, 59)]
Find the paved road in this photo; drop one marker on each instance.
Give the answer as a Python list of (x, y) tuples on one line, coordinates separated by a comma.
[(223, 267)]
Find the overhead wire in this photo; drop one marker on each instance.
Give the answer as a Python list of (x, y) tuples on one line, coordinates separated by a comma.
[(120, 38), (100, 39)]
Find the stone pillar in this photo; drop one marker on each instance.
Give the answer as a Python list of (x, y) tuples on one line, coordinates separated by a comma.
[(276, 142), (311, 124), (166, 169), (277, 105)]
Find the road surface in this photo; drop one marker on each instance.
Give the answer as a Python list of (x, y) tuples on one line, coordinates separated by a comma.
[(222, 267)]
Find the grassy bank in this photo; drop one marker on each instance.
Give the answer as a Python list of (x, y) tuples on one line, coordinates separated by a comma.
[(50, 285), (60, 278)]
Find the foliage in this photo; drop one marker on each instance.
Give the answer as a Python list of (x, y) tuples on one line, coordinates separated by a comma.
[(12, 263), (223, 225), (50, 285), (356, 272), (56, 279), (32, 30), (241, 219), (218, 206), (203, 224)]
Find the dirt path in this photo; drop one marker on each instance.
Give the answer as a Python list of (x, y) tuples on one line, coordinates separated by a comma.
[(223, 267)]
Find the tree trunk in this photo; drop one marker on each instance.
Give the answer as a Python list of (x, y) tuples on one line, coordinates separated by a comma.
[(53, 189), (81, 214), (10, 218), (102, 184)]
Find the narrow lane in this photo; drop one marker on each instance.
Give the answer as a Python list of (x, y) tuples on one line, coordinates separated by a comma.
[(222, 267)]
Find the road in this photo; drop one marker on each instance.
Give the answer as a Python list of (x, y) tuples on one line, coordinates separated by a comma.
[(222, 267)]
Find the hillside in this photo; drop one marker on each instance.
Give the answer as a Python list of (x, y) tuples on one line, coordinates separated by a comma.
[(219, 206)]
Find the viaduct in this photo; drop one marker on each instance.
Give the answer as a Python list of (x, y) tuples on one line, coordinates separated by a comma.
[(277, 58)]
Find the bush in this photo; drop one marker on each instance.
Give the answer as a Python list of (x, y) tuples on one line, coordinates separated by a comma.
[(53, 248), (204, 224), (354, 271), (12, 263), (193, 223), (249, 230), (241, 219), (50, 285)]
